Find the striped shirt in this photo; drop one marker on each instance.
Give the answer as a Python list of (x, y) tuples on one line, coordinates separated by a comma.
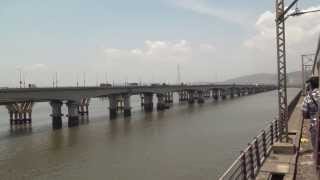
[(309, 105)]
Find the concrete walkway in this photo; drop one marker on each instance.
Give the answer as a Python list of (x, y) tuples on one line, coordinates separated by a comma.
[(288, 163)]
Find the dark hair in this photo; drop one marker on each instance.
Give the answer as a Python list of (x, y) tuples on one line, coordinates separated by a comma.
[(314, 82)]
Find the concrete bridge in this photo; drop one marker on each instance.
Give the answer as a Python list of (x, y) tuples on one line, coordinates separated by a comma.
[(19, 101)]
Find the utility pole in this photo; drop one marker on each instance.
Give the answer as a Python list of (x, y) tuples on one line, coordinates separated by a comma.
[(282, 70), (56, 79), (53, 81), (20, 78), (84, 79), (24, 80), (306, 65), (281, 16), (178, 74), (77, 80), (106, 77)]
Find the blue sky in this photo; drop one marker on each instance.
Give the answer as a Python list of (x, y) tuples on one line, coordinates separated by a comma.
[(73, 34)]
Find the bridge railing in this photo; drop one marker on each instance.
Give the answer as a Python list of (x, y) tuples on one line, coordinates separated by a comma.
[(248, 163)]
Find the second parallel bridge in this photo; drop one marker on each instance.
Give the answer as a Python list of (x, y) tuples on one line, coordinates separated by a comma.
[(19, 101)]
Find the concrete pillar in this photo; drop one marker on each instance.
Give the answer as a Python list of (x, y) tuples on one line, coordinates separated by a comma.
[(16, 117), (24, 117), (148, 102), (11, 117), (223, 94), (231, 91), (162, 103), (30, 117), (20, 118), (113, 106), (127, 108), (56, 114), (191, 97), (142, 100), (73, 115), (215, 94), (200, 97), (183, 96)]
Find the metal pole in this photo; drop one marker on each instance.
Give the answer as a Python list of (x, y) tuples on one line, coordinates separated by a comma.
[(282, 71), (303, 78), (20, 80)]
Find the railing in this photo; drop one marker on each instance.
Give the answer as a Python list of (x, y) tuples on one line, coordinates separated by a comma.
[(248, 164)]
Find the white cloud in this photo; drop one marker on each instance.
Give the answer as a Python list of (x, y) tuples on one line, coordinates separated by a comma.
[(174, 51), (204, 8), (301, 37), (33, 67)]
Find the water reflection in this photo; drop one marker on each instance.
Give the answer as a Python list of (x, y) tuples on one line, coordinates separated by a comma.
[(21, 130), (84, 120)]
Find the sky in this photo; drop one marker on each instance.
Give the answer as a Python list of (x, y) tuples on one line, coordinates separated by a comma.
[(145, 40)]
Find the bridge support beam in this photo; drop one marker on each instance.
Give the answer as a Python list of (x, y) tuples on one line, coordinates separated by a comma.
[(206, 94), (200, 97), (73, 115), (20, 113), (84, 107), (183, 96), (127, 108), (161, 104), (148, 102), (215, 94), (142, 100), (191, 97), (232, 92), (113, 103), (223, 94), (56, 114)]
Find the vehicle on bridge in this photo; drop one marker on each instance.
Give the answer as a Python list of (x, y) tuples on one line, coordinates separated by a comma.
[(32, 85), (155, 84), (133, 84), (105, 85)]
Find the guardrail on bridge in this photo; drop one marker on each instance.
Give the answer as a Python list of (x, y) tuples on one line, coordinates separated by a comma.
[(248, 163)]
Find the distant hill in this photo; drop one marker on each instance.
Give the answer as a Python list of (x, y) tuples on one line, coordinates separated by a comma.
[(294, 79), (255, 79)]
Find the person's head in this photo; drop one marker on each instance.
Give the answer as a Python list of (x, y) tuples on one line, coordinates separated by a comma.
[(313, 82)]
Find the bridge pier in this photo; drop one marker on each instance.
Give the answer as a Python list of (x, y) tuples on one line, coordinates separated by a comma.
[(142, 100), (73, 115), (84, 107), (200, 97), (215, 94), (206, 94), (148, 102), (127, 108), (231, 92), (113, 103), (161, 104), (169, 97), (191, 97), (120, 104), (20, 113), (223, 94), (56, 114), (182, 96)]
